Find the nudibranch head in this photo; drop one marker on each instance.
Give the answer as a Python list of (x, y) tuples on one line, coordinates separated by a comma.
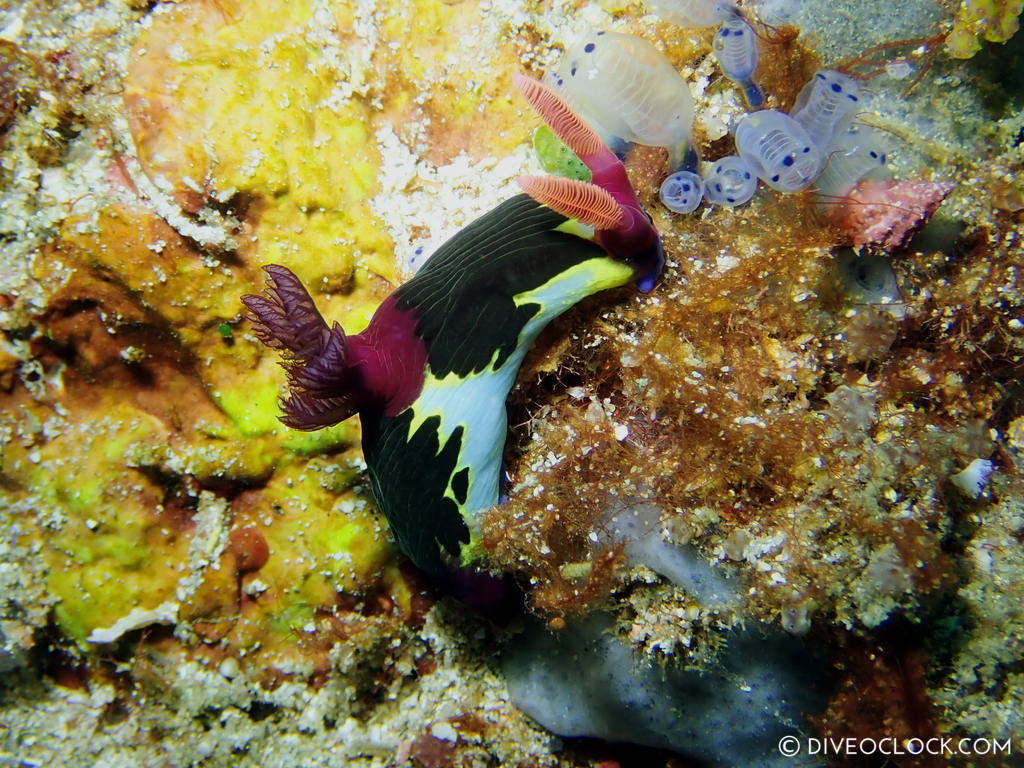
[(608, 203)]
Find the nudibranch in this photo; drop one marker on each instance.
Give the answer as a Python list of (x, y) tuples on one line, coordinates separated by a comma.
[(430, 374)]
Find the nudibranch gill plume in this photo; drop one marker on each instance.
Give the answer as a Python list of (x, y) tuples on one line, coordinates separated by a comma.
[(430, 374)]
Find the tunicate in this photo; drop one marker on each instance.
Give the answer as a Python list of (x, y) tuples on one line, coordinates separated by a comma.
[(735, 48), (626, 89), (556, 158), (689, 13), (856, 153), (868, 278), (778, 149), (729, 181), (682, 192), (825, 105)]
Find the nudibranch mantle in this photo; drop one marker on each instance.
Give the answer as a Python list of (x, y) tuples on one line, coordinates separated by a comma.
[(430, 374), (458, 421)]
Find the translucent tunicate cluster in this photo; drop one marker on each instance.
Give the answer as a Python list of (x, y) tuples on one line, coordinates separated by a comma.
[(626, 89), (682, 192), (690, 13), (857, 153), (735, 48), (778, 150), (826, 105), (729, 182)]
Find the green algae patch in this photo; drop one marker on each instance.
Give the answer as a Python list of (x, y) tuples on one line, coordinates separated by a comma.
[(258, 102), (329, 529), (108, 547), (253, 409), (320, 541), (173, 284), (326, 248), (975, 21), (350, 545), (462, 110), (256, 413), (326, 440)]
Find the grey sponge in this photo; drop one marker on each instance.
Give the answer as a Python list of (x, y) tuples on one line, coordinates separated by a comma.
[(585, 682)]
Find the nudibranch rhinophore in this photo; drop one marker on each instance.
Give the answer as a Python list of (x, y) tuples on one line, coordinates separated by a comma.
[(430, 374)]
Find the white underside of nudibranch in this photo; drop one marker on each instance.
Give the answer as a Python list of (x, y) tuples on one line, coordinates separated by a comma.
[(477, 402)]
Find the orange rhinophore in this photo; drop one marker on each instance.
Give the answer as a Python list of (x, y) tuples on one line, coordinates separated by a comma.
[(561, 118), (589, 204), (627, 234)]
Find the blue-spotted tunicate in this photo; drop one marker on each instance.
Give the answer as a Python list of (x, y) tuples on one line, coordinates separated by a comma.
[(626, 89), (690, 13), (729, 182), (778, 150), (826, 105), (682, 192), (857, 153), (868, 278), (735, 48)]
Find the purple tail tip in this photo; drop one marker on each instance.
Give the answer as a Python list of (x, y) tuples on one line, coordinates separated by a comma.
[(320, 382)]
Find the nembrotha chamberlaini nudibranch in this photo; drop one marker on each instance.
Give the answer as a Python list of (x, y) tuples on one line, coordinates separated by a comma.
[(430, 374)]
